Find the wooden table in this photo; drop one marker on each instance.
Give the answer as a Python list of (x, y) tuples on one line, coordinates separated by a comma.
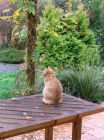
[(27, 114)]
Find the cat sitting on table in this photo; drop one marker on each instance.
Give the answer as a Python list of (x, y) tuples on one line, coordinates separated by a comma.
[(53, 90)]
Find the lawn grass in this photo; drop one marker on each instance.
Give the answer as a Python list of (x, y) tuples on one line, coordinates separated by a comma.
[(7, 82), (13, 84)]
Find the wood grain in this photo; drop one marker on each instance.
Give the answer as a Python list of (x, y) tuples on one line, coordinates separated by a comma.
[(27, 114), (76, 130), (49, 133)]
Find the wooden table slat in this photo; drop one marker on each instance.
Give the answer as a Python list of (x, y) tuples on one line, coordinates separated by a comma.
[(26, 114)]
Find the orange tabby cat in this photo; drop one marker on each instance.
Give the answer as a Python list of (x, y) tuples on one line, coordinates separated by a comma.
[(52, 92)]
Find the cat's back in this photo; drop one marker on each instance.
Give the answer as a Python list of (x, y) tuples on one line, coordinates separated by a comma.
[(54, 84)]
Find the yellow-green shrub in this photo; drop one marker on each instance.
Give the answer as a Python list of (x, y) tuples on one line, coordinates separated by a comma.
[(65, 39)]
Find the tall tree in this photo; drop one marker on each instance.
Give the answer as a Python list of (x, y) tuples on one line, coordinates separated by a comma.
[(29, 7), (31, 42)]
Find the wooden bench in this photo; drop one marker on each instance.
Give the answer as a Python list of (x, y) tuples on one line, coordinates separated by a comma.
[(27, 114)]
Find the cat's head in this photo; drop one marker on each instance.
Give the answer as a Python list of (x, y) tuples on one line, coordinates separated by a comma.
[(48, 71)]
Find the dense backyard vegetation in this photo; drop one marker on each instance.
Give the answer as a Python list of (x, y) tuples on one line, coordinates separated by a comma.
[(11, 56), (69, 39)]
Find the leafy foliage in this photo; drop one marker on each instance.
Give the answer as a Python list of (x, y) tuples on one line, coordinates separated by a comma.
[(87, 83), (26, 5), (60, 3), (65, 39), (11, 55), (20, 17), (96, 13), (19, 33)]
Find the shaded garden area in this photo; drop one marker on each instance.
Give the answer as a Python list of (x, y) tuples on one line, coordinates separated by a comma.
[(67, 35)]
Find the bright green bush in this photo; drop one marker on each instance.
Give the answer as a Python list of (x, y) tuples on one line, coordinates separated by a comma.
[(12, 56), (65, 39), (87, 83)]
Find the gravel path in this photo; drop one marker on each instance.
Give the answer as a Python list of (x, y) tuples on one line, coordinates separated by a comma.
[(9, 67)]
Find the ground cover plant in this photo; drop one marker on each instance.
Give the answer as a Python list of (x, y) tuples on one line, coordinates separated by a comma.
[(11, 55)]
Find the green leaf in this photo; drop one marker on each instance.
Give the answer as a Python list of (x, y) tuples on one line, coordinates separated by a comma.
[(31, 7), (20, 3)]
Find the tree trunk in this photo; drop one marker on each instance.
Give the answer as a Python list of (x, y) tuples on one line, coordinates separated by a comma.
[(31, 43)]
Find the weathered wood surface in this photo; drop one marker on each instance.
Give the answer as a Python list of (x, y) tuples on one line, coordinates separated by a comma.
[(76, 130), (49, 133), (27, 114)]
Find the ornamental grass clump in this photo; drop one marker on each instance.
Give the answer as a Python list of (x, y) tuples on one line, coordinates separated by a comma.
[(86, 83)]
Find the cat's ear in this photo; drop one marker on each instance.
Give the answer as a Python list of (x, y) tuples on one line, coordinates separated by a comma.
[(45, 69), (49, 67)]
